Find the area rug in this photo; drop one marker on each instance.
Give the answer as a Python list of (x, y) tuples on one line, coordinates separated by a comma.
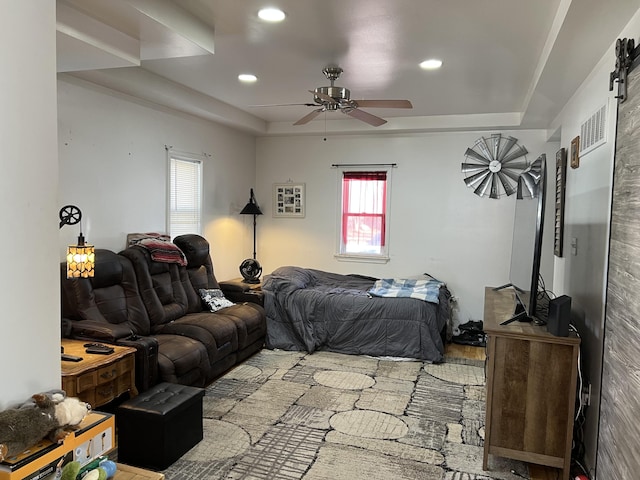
[(290, 415)]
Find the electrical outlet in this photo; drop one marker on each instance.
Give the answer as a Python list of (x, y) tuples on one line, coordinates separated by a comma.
[(574, 246)]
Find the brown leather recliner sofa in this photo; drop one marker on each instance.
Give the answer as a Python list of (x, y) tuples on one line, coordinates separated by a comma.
[(156, 307)]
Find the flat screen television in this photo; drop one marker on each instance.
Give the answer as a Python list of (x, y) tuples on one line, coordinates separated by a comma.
[(526, 250)]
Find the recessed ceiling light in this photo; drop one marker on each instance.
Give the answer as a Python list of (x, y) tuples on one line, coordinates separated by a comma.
[(431, 64), (271, 14), (247, 78)]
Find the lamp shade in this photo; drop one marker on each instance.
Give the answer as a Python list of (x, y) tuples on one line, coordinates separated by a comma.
[(251, 208), (81, 260)]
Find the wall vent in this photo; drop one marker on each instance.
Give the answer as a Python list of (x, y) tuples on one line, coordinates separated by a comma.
[(593, 131)]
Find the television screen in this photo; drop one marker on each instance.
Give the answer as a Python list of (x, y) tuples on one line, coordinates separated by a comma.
[(527, 238)]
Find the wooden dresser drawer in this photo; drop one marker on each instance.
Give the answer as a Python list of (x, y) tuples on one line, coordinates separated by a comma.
[(86, 381), (105, 392)]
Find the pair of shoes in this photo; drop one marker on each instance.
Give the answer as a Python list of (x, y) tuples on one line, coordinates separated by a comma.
[(470, 338), (472, 326)]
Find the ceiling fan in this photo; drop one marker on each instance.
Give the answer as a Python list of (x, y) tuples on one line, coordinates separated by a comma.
[(333, 98)]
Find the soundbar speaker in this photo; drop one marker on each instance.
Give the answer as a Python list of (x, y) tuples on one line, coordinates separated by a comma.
[(559, 316)]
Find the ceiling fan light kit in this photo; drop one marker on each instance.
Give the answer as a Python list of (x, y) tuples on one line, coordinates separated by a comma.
[(333, 98)]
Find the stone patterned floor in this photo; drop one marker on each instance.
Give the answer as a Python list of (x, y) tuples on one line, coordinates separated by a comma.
[(289, 415)]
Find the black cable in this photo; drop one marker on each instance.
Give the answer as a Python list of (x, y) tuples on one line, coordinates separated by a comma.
[(544, 297)]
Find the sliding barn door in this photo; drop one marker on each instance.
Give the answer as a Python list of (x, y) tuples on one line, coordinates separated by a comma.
[(619, 433)]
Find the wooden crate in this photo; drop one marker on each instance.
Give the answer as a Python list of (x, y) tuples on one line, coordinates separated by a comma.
[(125, 472)]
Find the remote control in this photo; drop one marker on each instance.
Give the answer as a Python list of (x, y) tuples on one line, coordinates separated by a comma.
[(99, 350), (70, 358)]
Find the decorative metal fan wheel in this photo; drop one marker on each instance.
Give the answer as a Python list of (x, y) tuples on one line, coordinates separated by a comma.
[(529, 179), (493, 165)]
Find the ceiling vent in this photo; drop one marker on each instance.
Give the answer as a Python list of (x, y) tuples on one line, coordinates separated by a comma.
[(593, 131)]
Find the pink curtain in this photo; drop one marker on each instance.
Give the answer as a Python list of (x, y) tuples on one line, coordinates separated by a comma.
[(364, 207)]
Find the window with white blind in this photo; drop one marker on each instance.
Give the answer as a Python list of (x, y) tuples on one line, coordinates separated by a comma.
[(184, 212), (364, 214)]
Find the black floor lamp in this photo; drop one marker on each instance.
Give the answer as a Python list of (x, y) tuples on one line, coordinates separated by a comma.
[(251, 268)]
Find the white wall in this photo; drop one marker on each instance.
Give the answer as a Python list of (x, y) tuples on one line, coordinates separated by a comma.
[(113, 166), (29, 345), (587, 217), (438, 225)]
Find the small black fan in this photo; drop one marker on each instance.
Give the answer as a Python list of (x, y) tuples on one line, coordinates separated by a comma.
[(251, 270), (494, 164)]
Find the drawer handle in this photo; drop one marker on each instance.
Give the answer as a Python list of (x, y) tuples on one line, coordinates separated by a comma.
[(105, 392), (110, 374)]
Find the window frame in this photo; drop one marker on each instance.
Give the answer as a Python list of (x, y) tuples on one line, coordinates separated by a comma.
[(341, 252), (198, 160)]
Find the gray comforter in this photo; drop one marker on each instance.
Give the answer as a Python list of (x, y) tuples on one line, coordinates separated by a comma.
[(310, 310)]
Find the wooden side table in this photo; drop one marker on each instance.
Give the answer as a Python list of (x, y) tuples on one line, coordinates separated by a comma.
[(239, 291), (254, 287), (98, 379)]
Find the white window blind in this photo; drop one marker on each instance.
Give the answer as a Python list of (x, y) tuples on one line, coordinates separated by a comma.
[(185, 195)]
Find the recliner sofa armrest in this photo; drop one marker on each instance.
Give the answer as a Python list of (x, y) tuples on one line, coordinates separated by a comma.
[(100, 331), (234, 287)]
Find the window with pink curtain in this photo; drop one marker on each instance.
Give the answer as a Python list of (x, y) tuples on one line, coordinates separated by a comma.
[(364, 204)]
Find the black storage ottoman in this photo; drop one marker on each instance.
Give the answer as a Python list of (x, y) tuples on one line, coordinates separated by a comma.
[(159, 426)]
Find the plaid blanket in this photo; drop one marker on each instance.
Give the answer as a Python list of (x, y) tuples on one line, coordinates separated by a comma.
[(162, 251), (426, 290)]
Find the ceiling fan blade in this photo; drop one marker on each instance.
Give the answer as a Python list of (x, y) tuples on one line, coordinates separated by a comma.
[(384, 103), (365, 117), (323, 96), (285, 105), (309, 116)]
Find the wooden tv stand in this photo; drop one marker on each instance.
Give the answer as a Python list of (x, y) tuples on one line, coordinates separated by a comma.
[(531, 388)]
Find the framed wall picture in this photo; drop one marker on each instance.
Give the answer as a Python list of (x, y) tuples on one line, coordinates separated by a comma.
[(561, 182), (575, 152), (288, 200)]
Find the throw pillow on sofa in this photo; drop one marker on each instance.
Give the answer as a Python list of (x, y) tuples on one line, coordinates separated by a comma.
[(214, 299)]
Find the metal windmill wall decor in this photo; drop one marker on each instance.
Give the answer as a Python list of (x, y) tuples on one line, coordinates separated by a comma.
[(493, 165)]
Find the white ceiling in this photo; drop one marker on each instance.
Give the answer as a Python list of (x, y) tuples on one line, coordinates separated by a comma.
[(507, 63)]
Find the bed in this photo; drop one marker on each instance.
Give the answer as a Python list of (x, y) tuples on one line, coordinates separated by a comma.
[(309, 310)]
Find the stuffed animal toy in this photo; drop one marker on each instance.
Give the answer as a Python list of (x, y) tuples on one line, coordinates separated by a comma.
[(55, 395), (23, 427), (69, 414)]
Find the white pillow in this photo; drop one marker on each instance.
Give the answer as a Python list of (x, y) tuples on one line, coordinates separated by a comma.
[(215, 299)]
